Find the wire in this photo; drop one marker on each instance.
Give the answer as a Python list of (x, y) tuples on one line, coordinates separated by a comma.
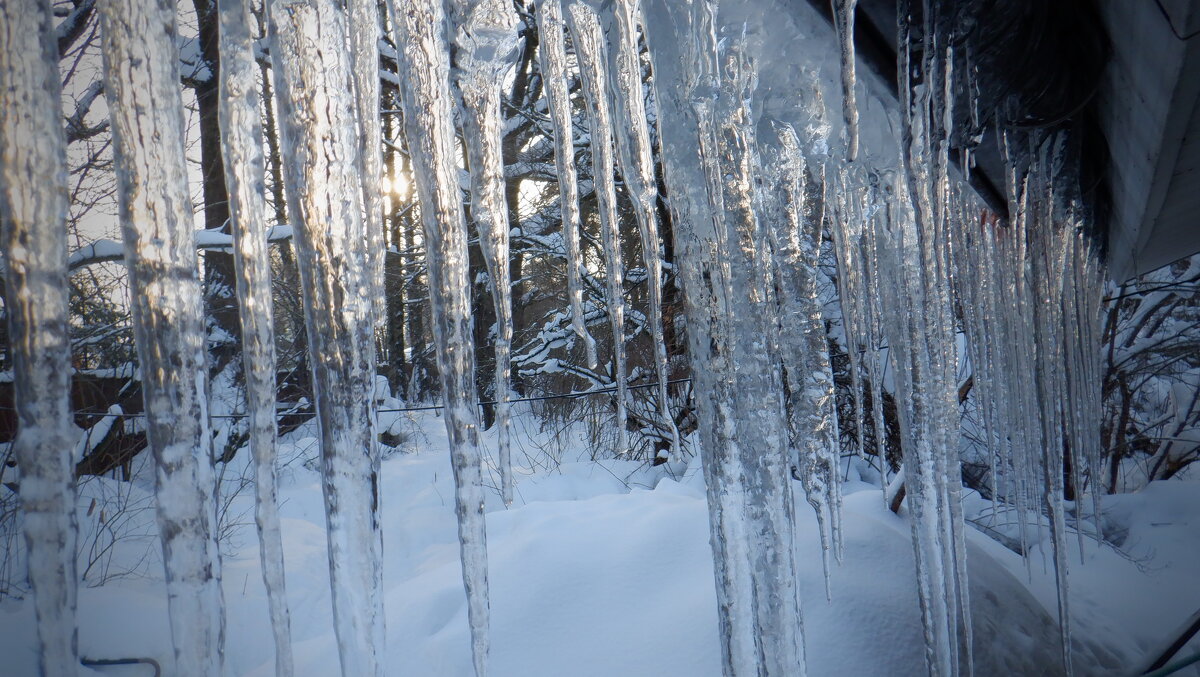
[(431, 407)]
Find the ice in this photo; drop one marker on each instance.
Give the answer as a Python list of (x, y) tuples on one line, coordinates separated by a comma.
[(142, 76), (552, 57), (486, 38), (241, 134), (708, 149), (637, 169), (588, 39), (35, 203), (1031, 291), (364, 36), (812, 415), (429, 127), (325, 204), (843, 19)]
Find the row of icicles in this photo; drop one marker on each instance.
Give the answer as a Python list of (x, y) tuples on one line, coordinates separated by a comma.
[(911, 245)]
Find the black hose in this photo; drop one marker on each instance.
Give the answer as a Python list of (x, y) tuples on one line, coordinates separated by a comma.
[(96, 662)]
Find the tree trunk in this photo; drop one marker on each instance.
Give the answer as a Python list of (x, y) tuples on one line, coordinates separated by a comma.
[(219, 274)]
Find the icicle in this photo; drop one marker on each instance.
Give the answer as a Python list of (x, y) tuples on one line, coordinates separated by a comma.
[(589, 49), (707, 142), (241, 134), (487, 41), (429, 124), (141, 69), (812, 415), (364, 35), (552, 58), (637, 169), (843, 19), (847, 230), (322, 145), (922, 345), (34, 241)]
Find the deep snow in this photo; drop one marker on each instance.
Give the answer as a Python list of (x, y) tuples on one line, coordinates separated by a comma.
[(603, 568)]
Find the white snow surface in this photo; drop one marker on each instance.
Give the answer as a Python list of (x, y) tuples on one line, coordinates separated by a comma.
[(604, 568)]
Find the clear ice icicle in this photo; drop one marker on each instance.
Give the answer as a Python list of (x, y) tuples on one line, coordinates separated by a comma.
[(325, 204), (141, 68), (429, 127), (843, 19), (590, 50), (486, 35), (637, 169), (241, 135), (34, 241), (364, 35), (552, 58), (812, 416), (707, 134)]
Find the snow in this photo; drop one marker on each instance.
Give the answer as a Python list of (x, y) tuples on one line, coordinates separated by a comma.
[(604, 569)]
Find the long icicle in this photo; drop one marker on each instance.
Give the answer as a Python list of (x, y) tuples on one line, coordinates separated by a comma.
[(141, 68), (923, 346), (843, 20), (34, 239), (429, 125), (812, 415), (364, 35), (589, 49), (486, 37), (241, 134), (707, 141), (321, 141), (552, 58), (637, 169)]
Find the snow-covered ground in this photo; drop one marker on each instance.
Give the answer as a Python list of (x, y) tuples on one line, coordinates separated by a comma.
[(603, 568)]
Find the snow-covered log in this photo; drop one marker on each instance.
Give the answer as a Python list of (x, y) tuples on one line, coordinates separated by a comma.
[(325, 202), (429, 126), (105, 250), (145, 105), (33, 209), (241, 136)]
